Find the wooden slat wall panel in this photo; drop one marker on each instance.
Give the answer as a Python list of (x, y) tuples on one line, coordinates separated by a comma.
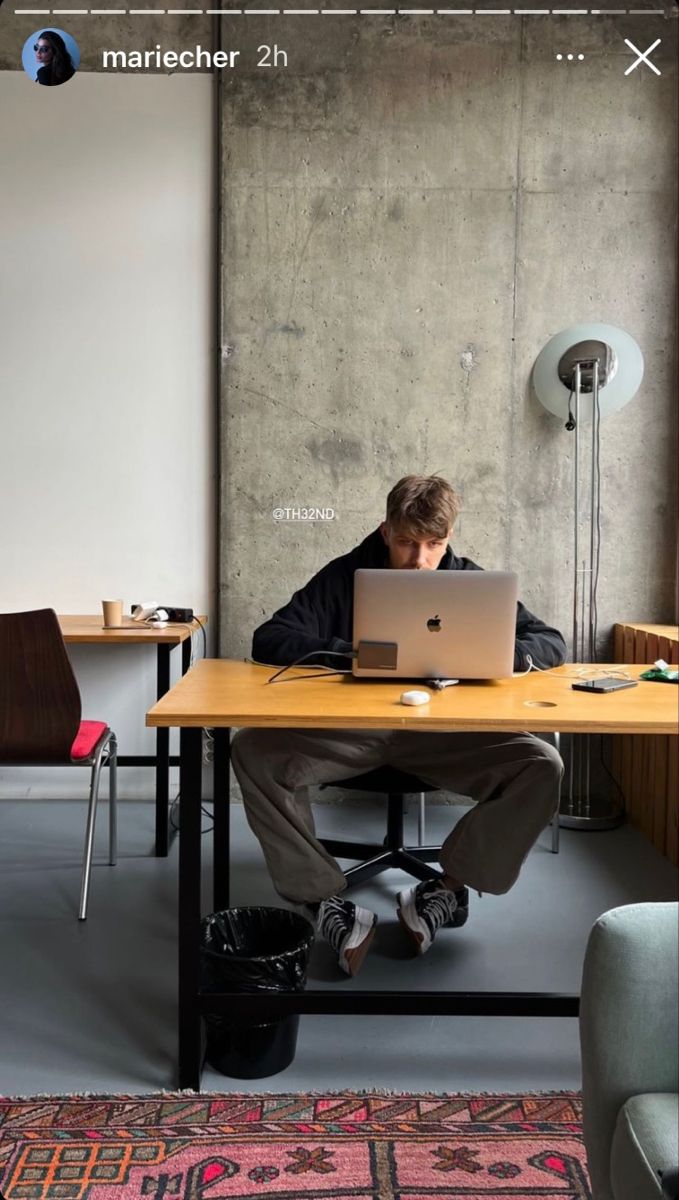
[(617, 742), (647, 786), (625, 780), (647, 768), (672, 823), (652, 648), (658, 833), (669, 650), (639, 803)]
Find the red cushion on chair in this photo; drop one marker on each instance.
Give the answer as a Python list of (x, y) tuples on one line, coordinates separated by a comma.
[(87, 737)]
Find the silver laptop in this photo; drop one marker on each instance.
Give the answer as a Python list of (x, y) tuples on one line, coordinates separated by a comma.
[(434, 624)]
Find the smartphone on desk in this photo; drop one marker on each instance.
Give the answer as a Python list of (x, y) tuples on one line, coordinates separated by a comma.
[(603, 685)]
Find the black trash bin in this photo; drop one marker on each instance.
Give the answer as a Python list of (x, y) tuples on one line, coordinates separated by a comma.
[(253, 950)]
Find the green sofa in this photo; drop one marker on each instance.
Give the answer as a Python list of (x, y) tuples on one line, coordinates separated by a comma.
[(629, 1038)]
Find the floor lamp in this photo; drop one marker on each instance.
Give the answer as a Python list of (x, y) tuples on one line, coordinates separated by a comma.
[(583, 374)]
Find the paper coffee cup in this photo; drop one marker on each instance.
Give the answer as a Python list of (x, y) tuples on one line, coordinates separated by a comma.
[(113, 612)]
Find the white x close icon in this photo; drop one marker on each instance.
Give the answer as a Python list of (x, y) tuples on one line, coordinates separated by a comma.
[(643, 57)]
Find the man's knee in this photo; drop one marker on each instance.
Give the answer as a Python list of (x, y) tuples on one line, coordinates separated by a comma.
[(548, 770), (252, 745), (261, 756), (547, 757)]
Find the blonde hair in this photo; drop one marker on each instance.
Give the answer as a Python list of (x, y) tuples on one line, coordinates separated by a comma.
[(423, 504)]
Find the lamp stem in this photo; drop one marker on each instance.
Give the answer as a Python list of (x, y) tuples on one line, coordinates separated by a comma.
[(591, 656), (582, 810), (576, 591), (576, 512)]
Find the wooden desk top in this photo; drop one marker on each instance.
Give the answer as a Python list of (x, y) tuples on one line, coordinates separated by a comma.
[(223, 693), (90, 629)]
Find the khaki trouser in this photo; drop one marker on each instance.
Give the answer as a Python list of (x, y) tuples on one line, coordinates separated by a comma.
[(514, 778)]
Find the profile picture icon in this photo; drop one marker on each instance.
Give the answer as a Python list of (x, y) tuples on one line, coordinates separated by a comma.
[(50, 57)]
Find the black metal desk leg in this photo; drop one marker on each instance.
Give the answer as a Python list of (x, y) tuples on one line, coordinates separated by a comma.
[(186, 655), (162, 757), (190, 773), (222, 818)]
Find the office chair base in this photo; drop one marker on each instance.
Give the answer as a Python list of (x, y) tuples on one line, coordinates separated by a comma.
[(414, 860), (590, 812), (392, 854)]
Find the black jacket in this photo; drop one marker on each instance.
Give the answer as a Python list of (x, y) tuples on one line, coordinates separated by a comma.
[(321, 615), (46, 76)]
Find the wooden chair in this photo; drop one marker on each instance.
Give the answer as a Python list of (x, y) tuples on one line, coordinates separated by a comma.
[(40, 721)]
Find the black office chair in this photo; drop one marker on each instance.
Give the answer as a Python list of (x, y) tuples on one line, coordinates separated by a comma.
[(396, 785)]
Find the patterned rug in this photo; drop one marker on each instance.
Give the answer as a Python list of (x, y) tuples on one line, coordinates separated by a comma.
[(341, 1146)]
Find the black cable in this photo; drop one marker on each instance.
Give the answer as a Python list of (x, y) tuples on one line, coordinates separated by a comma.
[(320, 674), (174, 825), (301, 678), (608, 771), (570, 423)]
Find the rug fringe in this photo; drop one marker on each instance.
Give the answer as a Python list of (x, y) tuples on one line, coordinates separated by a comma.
[(330, 1092)]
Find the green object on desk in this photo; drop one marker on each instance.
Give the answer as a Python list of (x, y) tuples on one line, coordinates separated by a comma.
[(656, 675)]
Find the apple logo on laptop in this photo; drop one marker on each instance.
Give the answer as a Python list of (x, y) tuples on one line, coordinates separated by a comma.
[(434, 624)]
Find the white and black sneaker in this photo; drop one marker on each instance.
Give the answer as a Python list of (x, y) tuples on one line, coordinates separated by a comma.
[(424, 909), (348, 929)]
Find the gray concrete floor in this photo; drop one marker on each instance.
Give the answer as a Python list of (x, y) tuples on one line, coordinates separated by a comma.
[(91, 1007)]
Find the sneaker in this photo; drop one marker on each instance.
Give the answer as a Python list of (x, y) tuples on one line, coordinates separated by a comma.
[(348, 929), (424, 909)]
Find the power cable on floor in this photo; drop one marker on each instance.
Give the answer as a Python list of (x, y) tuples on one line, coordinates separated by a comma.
[(174, 823)]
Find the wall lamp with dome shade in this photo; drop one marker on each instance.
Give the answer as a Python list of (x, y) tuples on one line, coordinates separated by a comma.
[(583, 374)]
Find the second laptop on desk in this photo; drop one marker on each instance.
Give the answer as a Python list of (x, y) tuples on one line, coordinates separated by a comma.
[(434, 624)]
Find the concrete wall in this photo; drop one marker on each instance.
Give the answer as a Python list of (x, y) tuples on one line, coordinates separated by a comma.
[(106, 434), (412, 208)]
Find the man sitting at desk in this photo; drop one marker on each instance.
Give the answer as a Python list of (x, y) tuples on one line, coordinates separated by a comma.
[(515, 778)]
